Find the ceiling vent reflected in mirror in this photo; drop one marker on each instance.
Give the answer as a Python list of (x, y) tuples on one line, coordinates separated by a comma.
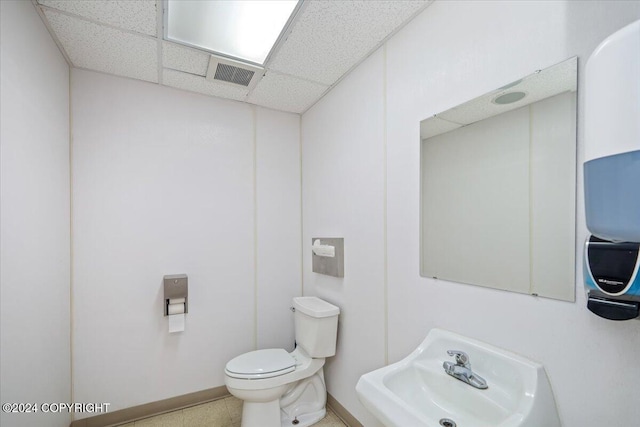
[(535, 87), (509, 98)]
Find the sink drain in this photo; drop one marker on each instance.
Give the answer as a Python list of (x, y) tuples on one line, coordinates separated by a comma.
[(446, 422)]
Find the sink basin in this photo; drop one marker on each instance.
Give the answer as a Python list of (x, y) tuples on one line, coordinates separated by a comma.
[(416, 391)]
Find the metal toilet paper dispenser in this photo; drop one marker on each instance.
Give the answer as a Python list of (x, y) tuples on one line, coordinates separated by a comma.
[(175, 292)]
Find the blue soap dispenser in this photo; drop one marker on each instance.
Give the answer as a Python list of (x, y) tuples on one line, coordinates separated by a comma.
[(612, 137), (612, 176)]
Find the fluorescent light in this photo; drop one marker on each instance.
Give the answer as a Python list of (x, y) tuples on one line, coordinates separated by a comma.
[(246, 30)]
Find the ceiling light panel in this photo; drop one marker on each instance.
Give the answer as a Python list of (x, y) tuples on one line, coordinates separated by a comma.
[(245, 30)]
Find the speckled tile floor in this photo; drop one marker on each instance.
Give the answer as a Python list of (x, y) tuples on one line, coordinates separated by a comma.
[(226, 412)]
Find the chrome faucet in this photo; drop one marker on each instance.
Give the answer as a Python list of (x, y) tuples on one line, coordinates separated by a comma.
[(461, 370)]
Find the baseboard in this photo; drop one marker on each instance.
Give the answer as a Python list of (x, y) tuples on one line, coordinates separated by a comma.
[(147, 410), (342, 412), (154, 408)]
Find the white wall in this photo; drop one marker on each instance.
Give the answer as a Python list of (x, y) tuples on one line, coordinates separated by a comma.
[(278, 223), (343, 196), (452, 52), (168, 182), (34, 225)]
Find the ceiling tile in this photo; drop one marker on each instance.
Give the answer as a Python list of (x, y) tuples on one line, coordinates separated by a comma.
[(199, 84), (139, 15), (330, 37), (537, 86), (184, 59), (435, 126), (327, 39), (286, 93), (105, 49)]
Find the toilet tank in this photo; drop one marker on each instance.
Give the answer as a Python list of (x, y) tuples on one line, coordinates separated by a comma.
[(316, 324)]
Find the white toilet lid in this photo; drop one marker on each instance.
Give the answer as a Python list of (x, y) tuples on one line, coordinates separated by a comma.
[(261, 364)]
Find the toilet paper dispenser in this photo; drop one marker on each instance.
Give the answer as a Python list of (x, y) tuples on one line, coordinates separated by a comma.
[(327, 256), (175, 293)]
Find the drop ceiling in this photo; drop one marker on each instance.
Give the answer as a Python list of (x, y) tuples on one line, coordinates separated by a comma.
[(540, 85), (326, 40)]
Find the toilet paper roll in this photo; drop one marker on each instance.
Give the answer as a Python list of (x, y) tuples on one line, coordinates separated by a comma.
[(176, 308), (177, 301), (176, 323)]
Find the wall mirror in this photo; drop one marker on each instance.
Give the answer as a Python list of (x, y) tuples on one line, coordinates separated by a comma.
[(498, 187)]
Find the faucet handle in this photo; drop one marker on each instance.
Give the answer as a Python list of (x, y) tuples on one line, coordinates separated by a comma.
[(462, 358)]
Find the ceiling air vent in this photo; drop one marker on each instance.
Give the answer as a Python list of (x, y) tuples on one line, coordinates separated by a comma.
[(225, 70)]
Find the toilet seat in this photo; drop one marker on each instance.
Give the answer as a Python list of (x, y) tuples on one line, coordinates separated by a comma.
[(305, 367), (260, 364)]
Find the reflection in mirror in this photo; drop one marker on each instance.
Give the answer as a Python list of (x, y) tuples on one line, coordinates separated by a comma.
[(498, 183)]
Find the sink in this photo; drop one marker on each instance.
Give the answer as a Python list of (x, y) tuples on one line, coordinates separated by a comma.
[(416, 391)]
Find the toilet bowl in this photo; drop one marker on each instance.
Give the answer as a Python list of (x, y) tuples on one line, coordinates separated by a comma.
[(283, 389)]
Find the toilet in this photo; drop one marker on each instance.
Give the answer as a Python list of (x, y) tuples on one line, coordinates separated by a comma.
[(287, 389)]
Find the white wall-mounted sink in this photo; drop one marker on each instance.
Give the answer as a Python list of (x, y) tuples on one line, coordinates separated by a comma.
[(417, 391)]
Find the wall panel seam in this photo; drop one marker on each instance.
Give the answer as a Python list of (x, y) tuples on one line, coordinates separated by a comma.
[(255, 225), (301, 206), (71, 251), (384, 205)]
